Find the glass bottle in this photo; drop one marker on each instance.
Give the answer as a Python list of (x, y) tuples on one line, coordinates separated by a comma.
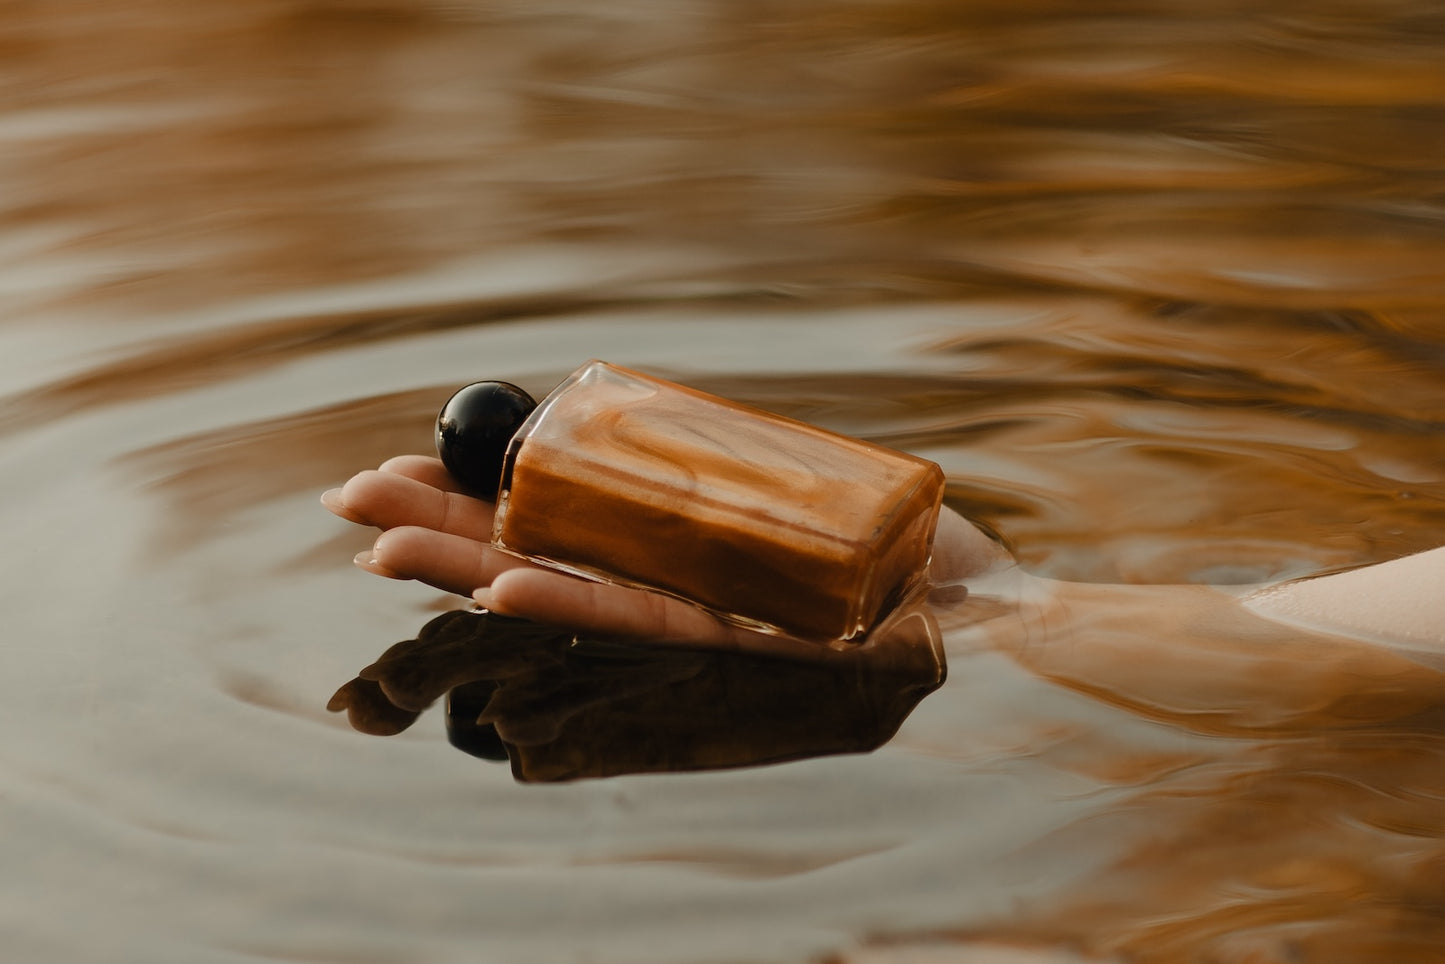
[(764, 521)]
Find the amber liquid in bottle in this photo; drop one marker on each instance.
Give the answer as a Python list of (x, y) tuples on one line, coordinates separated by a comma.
[(764, 521)]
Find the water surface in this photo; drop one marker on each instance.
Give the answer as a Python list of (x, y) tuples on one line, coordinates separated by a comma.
[(1158, 285)]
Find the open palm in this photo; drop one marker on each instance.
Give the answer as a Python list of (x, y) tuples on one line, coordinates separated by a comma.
[(433, 531)]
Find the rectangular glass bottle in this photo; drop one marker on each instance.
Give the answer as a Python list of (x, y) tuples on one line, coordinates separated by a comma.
[(763, 520)]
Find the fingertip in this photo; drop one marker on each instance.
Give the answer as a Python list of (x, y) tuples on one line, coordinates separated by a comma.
[(366, 559), (406, 464), (487, 599), (335, 503), (357, 489), (508, 588)]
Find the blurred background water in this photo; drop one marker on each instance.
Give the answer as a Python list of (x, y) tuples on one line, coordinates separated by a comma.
[(1159, 284)]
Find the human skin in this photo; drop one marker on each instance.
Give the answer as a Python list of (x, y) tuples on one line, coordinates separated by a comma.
[(1325, 651), (1400, 602), (435, 533)]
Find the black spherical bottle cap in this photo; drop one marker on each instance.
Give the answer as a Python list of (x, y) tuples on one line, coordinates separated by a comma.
[(474, 428)]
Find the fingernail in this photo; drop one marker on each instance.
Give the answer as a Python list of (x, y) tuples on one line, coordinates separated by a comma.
[(366, 559), (483, 597), (331, 499)]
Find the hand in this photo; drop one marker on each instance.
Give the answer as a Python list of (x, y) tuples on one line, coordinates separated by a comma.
[(433, 531)]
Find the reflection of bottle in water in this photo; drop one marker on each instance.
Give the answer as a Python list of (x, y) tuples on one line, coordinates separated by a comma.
[(766, 521)]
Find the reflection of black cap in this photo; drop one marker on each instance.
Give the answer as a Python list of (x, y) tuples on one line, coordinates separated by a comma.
[(464, 704)]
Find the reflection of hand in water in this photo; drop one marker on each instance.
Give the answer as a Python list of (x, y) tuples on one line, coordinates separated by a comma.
[(711, 695), (562, 709)]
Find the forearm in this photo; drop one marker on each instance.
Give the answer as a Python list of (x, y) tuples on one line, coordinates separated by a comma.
[(1194, 655), (1401, 602)]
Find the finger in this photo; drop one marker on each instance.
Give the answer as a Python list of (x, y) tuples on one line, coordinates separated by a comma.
[(388, 500), (457, 648), (530, 715), (533, 711), (424, 469), (419, 468), (449, 562), (368, 709), (594, 607), (331, 498)]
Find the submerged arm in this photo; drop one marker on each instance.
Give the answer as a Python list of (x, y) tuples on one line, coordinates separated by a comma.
[(1334, 651), (1400, 602)]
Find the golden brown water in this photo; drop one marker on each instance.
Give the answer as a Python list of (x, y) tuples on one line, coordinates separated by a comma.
[(1159, 285)]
